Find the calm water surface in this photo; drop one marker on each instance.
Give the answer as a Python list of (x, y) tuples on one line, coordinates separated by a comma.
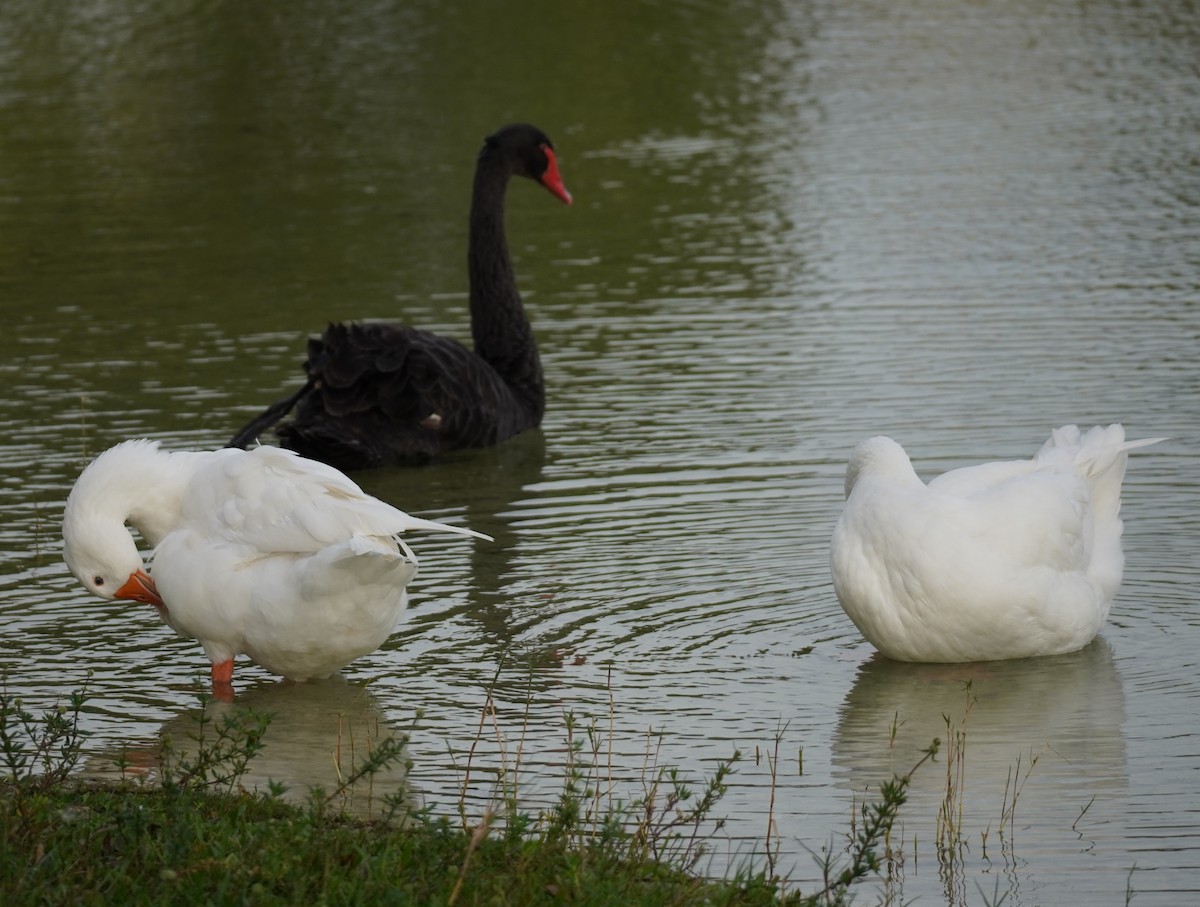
[(796, 224)]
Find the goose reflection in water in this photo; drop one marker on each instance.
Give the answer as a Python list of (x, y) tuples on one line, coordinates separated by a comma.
[(1066, 711), (319, 733)]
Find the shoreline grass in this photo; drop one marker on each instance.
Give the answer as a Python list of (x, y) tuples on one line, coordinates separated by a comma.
[(194, 835)]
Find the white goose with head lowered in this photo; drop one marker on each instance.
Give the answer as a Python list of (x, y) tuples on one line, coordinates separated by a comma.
[(1001, 560), (258, 552)]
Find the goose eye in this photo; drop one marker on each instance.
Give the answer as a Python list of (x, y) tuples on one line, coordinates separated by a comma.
[(98, 580)]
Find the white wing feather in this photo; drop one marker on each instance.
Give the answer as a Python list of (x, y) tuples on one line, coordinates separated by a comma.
[(277, 501)]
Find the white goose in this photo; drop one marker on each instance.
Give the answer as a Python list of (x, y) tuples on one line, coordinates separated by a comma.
[(259, 552), (1001, 560)]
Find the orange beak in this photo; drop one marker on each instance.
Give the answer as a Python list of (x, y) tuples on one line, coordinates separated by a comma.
[(140, 588)]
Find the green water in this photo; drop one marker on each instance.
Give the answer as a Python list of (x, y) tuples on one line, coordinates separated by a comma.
[(795, 224)]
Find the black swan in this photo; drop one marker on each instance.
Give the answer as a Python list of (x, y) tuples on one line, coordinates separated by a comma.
[(389, 394)]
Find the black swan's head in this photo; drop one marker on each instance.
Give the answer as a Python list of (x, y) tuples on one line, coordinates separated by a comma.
[(528, 152)]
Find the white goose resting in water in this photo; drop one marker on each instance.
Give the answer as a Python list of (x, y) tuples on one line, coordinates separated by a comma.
[(1001, 560), (259, 552)]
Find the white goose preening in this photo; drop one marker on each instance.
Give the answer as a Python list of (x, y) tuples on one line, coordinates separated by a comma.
[(258, 552), (1001, 560)]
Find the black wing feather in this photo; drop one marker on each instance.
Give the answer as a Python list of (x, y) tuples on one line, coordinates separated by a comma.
[(383, 394)]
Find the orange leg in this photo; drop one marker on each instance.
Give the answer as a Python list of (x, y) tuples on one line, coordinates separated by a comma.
[(222, 681), (223, 672)]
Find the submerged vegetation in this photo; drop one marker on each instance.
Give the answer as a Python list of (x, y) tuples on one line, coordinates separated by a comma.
[(194, 835)]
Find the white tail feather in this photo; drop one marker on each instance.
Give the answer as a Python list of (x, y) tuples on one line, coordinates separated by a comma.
[(413, 522)]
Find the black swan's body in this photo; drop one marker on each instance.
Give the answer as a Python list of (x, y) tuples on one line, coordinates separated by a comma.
[(386, 394)]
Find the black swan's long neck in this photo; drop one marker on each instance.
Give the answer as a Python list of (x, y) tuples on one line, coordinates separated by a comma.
[(501, 330)]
